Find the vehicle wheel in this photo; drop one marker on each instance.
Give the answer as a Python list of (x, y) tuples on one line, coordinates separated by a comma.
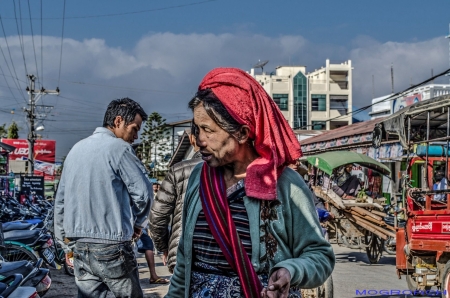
[(326, 290), (13, 253), (68, 269), (412, 286), (374, 247), (390, 249), (445, 281)]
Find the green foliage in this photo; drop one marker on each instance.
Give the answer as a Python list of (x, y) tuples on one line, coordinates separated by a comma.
[(3, 131), (13, 131), (155, 145)]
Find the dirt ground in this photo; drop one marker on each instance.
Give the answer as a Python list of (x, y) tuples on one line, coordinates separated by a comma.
[(63, 285)]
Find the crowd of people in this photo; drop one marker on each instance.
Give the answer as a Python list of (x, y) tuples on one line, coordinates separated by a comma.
[(234, 221)]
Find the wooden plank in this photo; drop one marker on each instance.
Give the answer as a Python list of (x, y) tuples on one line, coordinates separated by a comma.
[(362, 222), (366, 213)]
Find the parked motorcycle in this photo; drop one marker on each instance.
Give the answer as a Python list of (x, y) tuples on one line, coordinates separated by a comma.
[(10, 288), (33, 275)]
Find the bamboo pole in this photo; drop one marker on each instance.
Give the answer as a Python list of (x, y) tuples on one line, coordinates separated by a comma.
[(366, 213)]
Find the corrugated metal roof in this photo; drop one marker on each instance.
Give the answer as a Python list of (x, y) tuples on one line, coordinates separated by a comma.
[(345, 131)]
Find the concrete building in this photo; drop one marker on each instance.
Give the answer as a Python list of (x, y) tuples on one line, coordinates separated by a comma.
[(382, 107), (309, 100)]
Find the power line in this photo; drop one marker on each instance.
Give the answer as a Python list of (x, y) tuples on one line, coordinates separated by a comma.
[(9, 86), (42, 55), (12, 62), (393, 96), (32, 39), (124, 88), (62, 39), (131, 12), (20, 35)]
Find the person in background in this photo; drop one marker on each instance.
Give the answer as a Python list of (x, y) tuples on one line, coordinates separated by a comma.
[(243, 205), (103, 202), (166, 211), (155, 188), (145, 246), (440, 184), (347, 185)]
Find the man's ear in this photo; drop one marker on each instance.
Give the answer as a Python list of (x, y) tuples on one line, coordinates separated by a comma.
[(117, 121)]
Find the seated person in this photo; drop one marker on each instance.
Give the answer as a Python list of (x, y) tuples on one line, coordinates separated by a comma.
[(347, 185), (440, 184)]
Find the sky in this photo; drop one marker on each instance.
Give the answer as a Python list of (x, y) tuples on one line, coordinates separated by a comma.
[(157, 52)]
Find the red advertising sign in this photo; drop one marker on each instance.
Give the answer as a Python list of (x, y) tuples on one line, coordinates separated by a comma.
[(44, 154)]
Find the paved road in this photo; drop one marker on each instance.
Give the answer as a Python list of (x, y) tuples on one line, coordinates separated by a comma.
[(353, 273)]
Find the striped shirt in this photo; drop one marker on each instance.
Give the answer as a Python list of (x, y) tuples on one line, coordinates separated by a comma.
[(207, 253)]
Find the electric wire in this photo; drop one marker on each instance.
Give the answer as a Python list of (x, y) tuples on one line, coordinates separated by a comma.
[(20, 35), (392, 97), (16, 81), (62, 41), (42, 55), (34, 48), (131, 12), (8, 85)]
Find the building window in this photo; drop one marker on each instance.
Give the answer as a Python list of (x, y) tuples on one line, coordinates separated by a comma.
[(318, 102), (281, 100), (300, 102), (318, 125), (339, 103)]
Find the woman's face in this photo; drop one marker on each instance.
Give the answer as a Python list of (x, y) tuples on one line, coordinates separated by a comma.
[(217, 146)]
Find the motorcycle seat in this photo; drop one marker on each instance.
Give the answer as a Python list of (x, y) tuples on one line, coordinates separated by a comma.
[(11, 226), (9, 268), (3, 287), (22, 236)]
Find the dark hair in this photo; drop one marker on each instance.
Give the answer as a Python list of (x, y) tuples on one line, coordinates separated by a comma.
[(216, 110), (126, 108)]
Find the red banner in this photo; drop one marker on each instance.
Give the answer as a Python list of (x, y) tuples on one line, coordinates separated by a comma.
[(44, 154)]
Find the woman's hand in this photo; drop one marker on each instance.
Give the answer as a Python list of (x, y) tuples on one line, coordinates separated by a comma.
[(279, 284)]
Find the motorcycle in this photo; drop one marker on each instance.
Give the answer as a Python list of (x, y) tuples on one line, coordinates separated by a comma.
[(33, 275), (10, 288)]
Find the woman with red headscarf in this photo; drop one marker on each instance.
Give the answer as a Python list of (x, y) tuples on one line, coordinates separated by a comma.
[(250, 228)]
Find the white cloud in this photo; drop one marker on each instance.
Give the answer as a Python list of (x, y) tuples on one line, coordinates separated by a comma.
[(175, 64)]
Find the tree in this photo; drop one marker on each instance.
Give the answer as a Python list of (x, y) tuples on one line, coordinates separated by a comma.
[(154, 150), (13, 131), (3, 131)]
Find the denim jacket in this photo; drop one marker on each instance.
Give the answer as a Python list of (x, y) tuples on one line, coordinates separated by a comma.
[(104, 190), (301, 247)]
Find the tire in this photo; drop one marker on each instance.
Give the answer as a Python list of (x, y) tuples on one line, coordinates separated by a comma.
[(445, 281), (327, 290), (390, 249), (374, 247), (412, 286), (69, 270), (13, 253)]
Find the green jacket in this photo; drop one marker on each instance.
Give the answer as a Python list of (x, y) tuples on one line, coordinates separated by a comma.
[(301, 247)]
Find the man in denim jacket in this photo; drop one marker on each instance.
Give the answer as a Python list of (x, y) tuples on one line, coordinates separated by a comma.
[(103, 202)]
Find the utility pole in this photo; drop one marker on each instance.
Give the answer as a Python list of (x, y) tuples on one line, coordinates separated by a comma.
[(31, 115)]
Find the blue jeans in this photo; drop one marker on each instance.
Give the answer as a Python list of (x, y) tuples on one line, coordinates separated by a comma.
[(100, 268)]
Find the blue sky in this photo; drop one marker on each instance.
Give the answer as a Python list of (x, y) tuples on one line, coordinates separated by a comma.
[(159, 56)]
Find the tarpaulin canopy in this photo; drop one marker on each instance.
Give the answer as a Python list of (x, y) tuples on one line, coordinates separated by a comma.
[(329, 161), (397, 123)]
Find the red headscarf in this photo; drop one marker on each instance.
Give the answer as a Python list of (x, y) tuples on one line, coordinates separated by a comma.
[(274, 141)]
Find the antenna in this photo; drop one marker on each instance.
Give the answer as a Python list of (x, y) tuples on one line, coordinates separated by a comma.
[(261, 64), (392, 77)]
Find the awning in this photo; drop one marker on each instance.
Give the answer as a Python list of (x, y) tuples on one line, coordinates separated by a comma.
[(7, 147), (329, 161)]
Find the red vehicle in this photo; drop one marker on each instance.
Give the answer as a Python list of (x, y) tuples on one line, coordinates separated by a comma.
[(423, 244)]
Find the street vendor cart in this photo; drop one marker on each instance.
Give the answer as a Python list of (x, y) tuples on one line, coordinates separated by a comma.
[(357, 222)]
